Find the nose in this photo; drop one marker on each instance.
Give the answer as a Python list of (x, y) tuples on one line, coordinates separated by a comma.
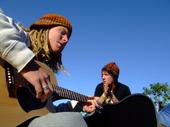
[(103, 77), (65, 39)]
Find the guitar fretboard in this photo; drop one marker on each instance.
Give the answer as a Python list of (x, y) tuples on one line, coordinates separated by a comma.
[(68, 94)]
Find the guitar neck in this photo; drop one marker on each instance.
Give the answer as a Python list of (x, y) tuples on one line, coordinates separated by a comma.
[(68, 94), (62, 92)]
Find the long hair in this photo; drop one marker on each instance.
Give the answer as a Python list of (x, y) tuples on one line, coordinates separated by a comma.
[(39, 45)]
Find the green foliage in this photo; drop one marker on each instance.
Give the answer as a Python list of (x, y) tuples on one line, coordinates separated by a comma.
[(158, 93)]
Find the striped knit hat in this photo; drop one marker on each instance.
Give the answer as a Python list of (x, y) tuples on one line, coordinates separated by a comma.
[(112, 69), (52, 20)]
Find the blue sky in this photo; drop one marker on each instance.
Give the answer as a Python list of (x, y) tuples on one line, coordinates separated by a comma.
[(133, 33)]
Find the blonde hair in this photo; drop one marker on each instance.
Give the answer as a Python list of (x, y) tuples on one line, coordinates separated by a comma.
[(39, 45)]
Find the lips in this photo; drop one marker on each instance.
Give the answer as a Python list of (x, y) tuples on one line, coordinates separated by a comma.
[(59, 45)]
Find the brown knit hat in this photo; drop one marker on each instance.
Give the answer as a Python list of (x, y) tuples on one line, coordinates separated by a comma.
[(52, 20), (111, 68)]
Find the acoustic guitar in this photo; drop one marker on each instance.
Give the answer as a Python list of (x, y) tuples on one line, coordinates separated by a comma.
[(134, 111)]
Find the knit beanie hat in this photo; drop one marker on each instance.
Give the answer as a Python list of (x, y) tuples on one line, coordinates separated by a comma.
[(52, 20), (112, 69)]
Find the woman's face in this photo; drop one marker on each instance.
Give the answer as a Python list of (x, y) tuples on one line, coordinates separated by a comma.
[(107, 78), (58, 38)]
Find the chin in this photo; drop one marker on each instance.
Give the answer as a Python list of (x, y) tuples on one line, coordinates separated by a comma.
[(56, 51)]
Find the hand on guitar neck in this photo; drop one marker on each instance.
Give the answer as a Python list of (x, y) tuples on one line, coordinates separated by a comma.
[(92, 105)]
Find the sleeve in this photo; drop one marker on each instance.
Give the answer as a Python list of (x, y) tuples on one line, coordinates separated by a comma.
[(13, 43)]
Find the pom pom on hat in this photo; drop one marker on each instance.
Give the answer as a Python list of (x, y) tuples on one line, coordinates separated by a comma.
[(52, 20)]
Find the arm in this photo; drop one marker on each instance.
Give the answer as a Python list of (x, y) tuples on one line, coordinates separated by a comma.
[(13, 40), (14, 50)]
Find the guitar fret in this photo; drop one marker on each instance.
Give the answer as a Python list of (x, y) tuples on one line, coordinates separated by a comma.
[(84, 98), (67, 93), (74, 96), (70, 94)]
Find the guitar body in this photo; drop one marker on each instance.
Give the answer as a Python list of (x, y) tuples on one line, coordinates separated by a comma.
[(24, 105), (11, 113), (134, 111)]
